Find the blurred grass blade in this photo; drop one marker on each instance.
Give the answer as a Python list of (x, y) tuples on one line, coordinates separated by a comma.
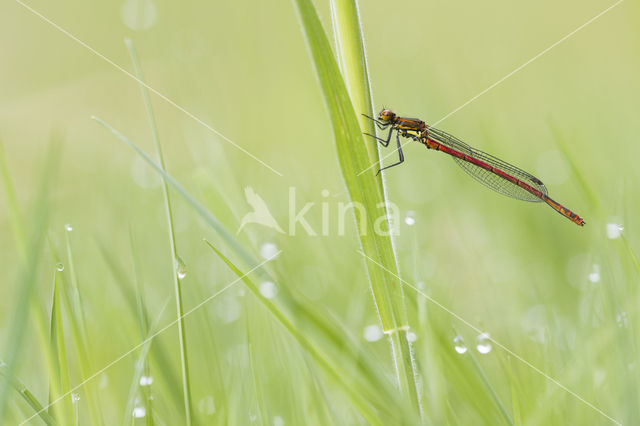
[(175, 258), (12, 204), (340, 378), (140, 367), (159, 354), (59, 376), (322, 325), (19, 387), (491, 389), (211, 220), (364, 189), (345, 17), (27, 279)]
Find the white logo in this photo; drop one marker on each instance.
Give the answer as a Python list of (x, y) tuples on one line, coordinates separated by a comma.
[(260, 214), (387, 223)]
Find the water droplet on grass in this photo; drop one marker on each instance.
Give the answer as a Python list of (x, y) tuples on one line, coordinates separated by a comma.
[(278, 421), (181, 268), (146, 380), (594, 275), (410, 219), (268, 289), (372, 333), (139, 14), (483, 343), (60, 267), (139, 412), (75, 397), (411, 336), (614, 230), (207, 405), (268, 250), (68, 227), (622, 319), (459, 345)]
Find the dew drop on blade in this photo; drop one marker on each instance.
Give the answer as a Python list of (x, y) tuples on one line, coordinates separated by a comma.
[(68, 227), (268, 289), (139, 412), (181, 268), (594, 275), (139, 14), (410, 219), (206, 405), (459, 345), (372, 333), (146, 380), (268, 250), (614, 230), (60, 267), (483, 343), (622, 319)]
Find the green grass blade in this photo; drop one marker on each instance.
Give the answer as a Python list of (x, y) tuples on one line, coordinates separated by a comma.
[(355, 155), (319, 324), (492, 391), (143, 325), (27, 279), (30, 399), (12, 204), (159, 354), (141, 368), (59, 378), (79, 334), (182, 336), (338, 377), (211, 220)]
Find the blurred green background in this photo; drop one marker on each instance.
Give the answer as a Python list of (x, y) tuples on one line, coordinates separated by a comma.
[(563, 298)]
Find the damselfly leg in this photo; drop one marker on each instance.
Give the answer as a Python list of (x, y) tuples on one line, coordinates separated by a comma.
[(400, 154), (385, 142)]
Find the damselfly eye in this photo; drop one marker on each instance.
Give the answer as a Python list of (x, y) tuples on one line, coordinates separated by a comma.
[(386, 115)]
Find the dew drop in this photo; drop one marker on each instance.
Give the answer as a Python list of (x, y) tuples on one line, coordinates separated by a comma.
[(60, 267), (268, 250), (278, 421), (207, 405), (268, 289), (459, 345), (104, 381), (181, 268), (146, 380), (139, 412), (483, 343), (594, 275), (614, 230), (622, 319), (599, 377), (410, 219), (229, 310), (139, 14), (411, 336), (75, 397), (372, 333), (68, 227)]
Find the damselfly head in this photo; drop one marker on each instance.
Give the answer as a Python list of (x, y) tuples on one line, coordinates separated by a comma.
[(386, 115)]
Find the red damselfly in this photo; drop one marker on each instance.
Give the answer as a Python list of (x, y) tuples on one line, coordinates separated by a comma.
[(487, 169)]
